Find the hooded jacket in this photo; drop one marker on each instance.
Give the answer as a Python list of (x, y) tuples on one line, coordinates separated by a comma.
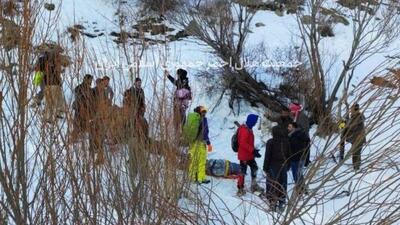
[(277, 151), (246, 139)]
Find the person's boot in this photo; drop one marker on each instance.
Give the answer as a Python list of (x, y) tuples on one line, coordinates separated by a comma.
[(240, 192), (205, 181), (281, 207), (240, 186), (255, 187)]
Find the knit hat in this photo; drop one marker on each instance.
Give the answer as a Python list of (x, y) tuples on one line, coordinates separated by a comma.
[(251, 120), (200, 109), (295, 107)]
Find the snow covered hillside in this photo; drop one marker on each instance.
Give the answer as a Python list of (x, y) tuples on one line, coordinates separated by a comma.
[(336, 194)]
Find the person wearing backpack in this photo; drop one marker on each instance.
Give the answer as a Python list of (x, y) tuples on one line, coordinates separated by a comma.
[(182, 95), (196, 134), (40, 67), (276, 161), (246, 154)]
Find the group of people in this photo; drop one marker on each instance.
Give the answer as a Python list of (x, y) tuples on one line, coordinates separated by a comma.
[(288, 149), (94, 111)]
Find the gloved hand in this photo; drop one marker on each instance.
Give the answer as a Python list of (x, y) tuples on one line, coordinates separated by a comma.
[(257, 153), (209, 148)]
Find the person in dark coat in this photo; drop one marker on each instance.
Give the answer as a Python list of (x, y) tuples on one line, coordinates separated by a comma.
[(99, 121), (246, 154), (303, 122), (108, 89), (354, 133), (135, 108), (277, 156), (182, 96), (182, 81), (134, 99), (299, 142), (83, 105)]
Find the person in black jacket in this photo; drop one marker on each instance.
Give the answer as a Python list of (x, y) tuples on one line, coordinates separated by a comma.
[(299, 142), (134, 99), (135, 108), (276, 161), (182, 81)]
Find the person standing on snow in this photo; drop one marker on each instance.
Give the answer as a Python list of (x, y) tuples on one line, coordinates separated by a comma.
[(99, 121), (135, 108), (246, 154), (52, 82), (38, 78), (182, 96), (198, 125), (354, 133), (83, 105), (134, 99), (299, 142), (303, 122), (277, 156), (108, 89)]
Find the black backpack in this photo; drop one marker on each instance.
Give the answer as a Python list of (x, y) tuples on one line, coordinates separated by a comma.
[(234, 139)]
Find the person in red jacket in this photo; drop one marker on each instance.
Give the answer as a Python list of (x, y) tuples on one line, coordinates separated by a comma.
[(246, 154)]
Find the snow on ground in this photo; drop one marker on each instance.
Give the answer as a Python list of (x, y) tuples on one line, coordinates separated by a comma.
[(278, 32)]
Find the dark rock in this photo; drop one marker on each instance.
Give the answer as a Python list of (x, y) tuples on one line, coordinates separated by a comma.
[(49, 6), (79, 27), (92, 35)]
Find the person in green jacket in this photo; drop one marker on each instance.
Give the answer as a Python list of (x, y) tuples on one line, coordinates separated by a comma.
[(199, 144)]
